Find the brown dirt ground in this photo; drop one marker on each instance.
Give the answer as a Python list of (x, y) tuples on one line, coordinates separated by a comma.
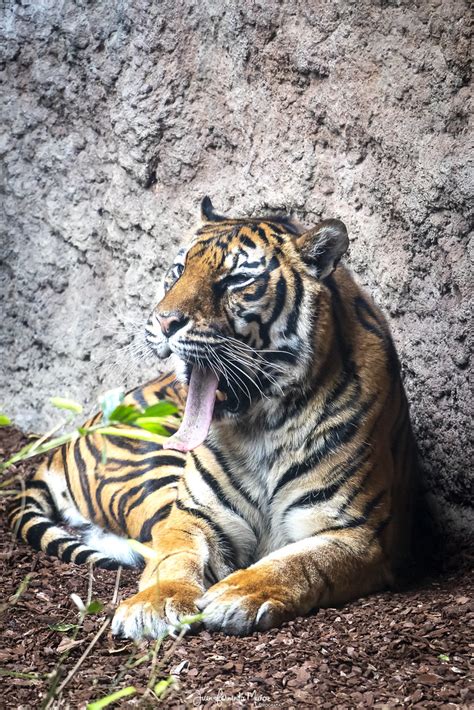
[(411, 648)]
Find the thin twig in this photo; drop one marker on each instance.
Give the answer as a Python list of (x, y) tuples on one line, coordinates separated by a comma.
[(89, 585), (39, 442), (7, 673), (79, 663), (116, 586), (158, 667), (19, 593), (89, 648), (154, 659), (23, 506)]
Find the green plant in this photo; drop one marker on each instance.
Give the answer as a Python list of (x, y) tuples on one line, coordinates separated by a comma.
[(118, 419)]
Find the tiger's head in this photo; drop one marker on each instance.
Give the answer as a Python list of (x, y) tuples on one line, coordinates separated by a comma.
[(238, 312)]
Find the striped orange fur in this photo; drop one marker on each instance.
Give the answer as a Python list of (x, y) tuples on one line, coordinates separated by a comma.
[(301, 493)]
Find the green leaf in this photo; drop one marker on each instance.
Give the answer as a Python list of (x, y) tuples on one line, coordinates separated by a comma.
[(443, 657), (163, 685), (94, 607), (126, 413), (152, 424), (147, 552), (69, 404), (63, 628), (34, 450), (112, 698), (4, 420), (160, 409), (185, 620), (109, 401)]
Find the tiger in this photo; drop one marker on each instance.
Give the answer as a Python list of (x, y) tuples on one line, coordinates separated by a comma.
[(289, 483)]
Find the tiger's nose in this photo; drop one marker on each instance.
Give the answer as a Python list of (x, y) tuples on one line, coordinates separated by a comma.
[(170, 323)]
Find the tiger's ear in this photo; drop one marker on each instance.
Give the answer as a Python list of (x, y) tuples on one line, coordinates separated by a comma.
[(207, 211), (322, 247)]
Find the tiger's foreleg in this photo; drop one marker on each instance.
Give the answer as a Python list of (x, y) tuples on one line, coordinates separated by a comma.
[(324, 570), (172, 582)]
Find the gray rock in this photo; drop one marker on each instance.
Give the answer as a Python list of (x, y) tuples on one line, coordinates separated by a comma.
[(119, 116)]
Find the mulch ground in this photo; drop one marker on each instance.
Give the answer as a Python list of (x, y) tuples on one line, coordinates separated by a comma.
[(391, 650)]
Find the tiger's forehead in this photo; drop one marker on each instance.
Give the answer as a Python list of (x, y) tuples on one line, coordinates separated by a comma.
[(231, 244)]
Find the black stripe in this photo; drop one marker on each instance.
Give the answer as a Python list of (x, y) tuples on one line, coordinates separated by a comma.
[(52, 548), (280, 300), (351, 523), (64, 450), (228, 550), (110, 513), (84, 556), (283, 223), (135, 446), (262, 284), (362, 310), (261, 233), (45, 501), (148, 465), (189, 494), (66, 554), (83, 479), (346, 548), (247, 241), (348, 376), (145, 534), (327, 582), (293, 318), (106, 563), (356, 491), (25, 518), (371, 504), (381, 527), (289, 356), (139, 398), (250, 264), (356, 522), (210, 575), (96, 418), (92, 449), (319, 495), (40, 485), (35, 534), (224, 464), (150, 462), (28, 502), (209, 479), (339, 435), (148, 487), (125, 478)]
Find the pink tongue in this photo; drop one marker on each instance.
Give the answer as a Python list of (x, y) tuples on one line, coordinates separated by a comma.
[(198, 412)]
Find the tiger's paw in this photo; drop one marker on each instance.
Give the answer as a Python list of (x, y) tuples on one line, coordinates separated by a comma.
[(157, 611), (244, 602)]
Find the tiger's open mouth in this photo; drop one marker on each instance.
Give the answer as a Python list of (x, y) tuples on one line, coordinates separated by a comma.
[(198, 412), (207, 399)]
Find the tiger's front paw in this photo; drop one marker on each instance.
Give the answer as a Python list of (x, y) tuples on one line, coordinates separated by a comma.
[(243, 602), (156, 611)]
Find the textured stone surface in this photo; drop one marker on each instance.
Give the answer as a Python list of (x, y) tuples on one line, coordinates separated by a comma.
[(119, 116)]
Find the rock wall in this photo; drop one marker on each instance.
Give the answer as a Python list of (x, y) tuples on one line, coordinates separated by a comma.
[(118, 116)]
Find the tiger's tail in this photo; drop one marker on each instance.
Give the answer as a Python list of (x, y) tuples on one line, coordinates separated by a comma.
[(36, 519)]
